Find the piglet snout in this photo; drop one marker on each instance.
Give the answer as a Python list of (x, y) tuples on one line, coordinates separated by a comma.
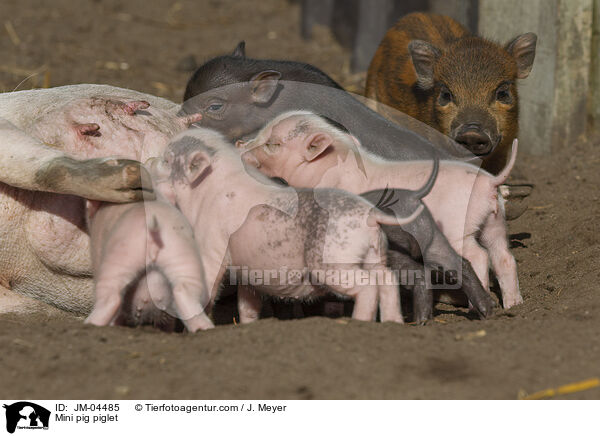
[(187, 120), (474, 139)]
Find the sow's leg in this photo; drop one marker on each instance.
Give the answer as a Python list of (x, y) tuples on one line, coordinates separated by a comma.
[(30, 164)]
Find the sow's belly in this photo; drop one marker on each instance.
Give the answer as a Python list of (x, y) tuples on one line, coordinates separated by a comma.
[(44, 248)]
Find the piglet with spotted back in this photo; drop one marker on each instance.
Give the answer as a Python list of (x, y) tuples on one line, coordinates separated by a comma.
[(244, 220)]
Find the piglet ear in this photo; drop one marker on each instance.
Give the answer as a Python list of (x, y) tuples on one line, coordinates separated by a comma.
[(263, 85), (240, 50), (316, 144), (424, 55), (196, 163), (522, 48)]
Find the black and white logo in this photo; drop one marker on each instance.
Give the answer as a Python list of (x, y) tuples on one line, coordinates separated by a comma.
[(26, 415)]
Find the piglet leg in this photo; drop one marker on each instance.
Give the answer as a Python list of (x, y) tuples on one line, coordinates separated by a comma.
[(187, 296), (365, 296), (249, 304), (111, 282), (389, 294), (422, 297), (190, 294), (479, 259), (440, 252), (494, 238), (365, 303), (389, 300)]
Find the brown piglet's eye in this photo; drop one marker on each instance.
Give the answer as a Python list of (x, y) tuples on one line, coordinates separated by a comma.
[(503, 94), (445, 96)]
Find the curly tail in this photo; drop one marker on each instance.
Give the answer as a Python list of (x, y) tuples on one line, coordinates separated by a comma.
[(503, 175), (378, 217), (426, 188)]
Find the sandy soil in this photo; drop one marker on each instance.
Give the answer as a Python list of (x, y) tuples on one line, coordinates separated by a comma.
[(550, 340)]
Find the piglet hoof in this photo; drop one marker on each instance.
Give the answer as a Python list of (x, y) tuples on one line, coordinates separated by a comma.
[(484, 307), (199, 322), (396, 319), (422, 304), (419, 321), (422, 318), (512, 300), (95, 318)]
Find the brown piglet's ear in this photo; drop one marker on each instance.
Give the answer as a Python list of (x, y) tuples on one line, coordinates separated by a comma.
[(316, 144), (522, 48), (263, 85), (424, 55), (196, 163)]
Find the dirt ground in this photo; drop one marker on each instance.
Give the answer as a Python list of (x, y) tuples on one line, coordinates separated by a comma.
[(552, 339)]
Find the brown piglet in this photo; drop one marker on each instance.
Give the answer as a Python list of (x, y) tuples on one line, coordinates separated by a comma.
[(433, 69)]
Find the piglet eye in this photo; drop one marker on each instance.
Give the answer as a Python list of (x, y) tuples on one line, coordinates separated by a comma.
[(445, 96), (503, 95), (271, 148), (215, 107)]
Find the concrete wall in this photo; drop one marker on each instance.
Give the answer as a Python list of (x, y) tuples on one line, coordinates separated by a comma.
[(554, 98)]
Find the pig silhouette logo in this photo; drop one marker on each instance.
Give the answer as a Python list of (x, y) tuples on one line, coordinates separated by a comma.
[(26, 415)]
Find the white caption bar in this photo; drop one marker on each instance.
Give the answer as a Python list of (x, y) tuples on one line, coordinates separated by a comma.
[(23, 417)]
